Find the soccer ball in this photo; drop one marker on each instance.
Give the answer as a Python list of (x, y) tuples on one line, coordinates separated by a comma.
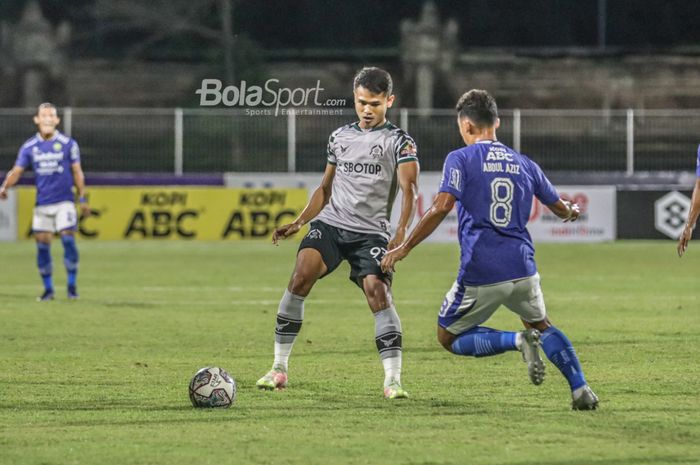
[(212, 387)]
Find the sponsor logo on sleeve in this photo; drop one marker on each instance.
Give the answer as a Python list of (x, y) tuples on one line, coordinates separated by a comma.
[(408, 149), (455, 181)]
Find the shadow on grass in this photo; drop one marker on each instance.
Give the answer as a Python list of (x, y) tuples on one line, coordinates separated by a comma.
[(124, 405), (61, 300), (22, 296), (304, 406), (322, 350), (126, 304), (619, 461)]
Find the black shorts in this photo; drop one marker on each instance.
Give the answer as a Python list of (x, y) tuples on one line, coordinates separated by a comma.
[(363, 251)]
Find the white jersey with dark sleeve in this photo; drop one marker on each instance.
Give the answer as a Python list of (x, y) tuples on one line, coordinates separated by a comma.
[(366, 177)]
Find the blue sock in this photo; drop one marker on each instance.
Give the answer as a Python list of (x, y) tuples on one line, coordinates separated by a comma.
[(481, 341), (561, 353), (70, 258), (43, 262)]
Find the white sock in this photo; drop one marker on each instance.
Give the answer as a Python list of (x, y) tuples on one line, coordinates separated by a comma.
[(290, 315), (576, 393), (387, 335), (282, 352), (392, 370), (518, 340)]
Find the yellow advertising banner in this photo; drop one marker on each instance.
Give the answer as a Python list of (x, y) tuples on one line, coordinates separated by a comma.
[(189, 213)]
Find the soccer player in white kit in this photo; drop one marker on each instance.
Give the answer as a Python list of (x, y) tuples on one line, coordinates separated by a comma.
[(55, 160), (367, 161)]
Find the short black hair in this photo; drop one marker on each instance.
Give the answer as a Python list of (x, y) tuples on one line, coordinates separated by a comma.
[(46, 105), (479, 106), (375, 80)]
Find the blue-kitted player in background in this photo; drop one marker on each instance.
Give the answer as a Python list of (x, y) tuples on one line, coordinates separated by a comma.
[(493, 186), (55, 160), (687, 233)]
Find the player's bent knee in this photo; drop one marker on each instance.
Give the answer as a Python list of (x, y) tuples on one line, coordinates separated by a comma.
[(301, 283), (538, 325), (303, 279), (377, 292), (445, 338), (309, 267), (374, 284), (446, 345), (43, 237)]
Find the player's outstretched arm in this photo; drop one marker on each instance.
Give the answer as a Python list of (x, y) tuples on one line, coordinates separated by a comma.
[(442, 205), (687, 233), (79, 181), (318, 200), (10, 180), (408, 181), (567, 211)]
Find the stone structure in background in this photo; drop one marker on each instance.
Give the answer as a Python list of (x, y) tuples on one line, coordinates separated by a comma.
[(428, 52), (34, 65), (34, 54)]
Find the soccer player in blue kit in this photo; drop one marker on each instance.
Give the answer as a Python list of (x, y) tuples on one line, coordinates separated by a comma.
[(493, 186), (687, 233), (55, 160)]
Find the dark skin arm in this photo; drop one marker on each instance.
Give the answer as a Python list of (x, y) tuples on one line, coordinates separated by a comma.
[(565, 210), (442, 205), (10, 180), (408, 180), (79, 181), (687, 233), (318, 200)]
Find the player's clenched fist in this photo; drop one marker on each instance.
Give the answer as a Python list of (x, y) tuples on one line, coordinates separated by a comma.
[(391, 257), (574, 211), (285, 231)]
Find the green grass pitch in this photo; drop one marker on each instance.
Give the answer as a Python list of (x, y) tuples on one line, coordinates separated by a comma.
[(103, 380)]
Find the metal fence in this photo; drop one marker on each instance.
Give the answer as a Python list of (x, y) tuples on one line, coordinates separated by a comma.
[(183, 141)]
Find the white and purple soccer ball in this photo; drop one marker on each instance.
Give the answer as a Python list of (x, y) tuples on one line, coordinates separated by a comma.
[(212, 387)]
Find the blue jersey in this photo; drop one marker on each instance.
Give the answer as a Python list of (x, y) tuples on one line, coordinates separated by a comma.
[(51, 160), (494, 186)]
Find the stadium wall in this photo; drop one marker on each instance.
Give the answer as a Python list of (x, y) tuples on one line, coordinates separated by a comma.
[(655, 212), (8, 217), (245, 206), (517, 79), (175, 212), (616, 208), (597, 222)]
